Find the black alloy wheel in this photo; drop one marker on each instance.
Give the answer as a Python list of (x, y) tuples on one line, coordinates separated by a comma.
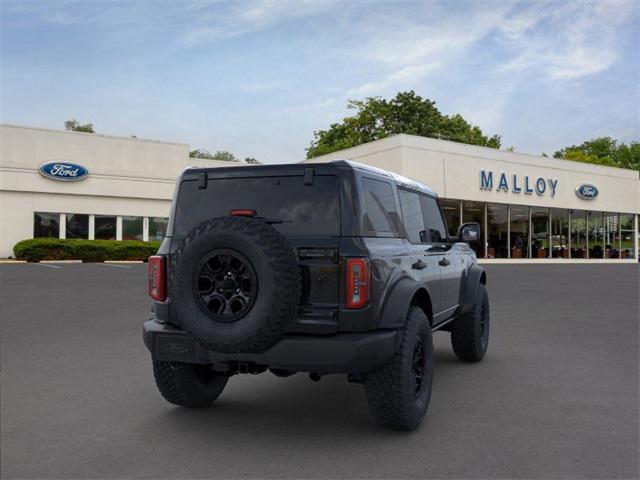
[(226, 285)]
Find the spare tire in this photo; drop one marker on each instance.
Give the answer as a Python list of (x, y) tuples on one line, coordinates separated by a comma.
[(234, 284)]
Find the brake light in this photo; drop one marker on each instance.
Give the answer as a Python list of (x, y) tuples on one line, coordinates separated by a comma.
[(157, 280), (242, 212), (358, 286)]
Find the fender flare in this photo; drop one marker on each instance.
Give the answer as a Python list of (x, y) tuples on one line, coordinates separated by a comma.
[(475, 276), (398, 301)]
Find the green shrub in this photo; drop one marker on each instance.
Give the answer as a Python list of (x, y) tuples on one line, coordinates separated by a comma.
[(37, 249)]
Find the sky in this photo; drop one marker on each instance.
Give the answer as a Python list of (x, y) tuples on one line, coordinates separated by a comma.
[(258, 77)]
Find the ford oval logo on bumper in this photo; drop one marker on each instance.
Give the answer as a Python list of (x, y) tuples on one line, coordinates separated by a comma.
[(63, 171), (586, 191)]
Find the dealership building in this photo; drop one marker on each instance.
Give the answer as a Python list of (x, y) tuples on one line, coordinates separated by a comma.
[(531, 209), (98, 186)]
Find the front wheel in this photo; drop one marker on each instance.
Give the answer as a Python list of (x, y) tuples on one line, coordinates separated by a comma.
[(398, 394), (470, 331), (187, 384)]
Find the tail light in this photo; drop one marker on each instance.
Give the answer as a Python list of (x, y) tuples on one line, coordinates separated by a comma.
[(242, 212), (358, 282), (157, 278)]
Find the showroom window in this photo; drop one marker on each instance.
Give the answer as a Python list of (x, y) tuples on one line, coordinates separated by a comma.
[(46, 225), (578, 234), (539, 232), (611, 235), (626, 236), (595, 236), (559, 233), (519, 233), (105, 227), (474, 212), (451, 210), (497, 231), (77, 226), (157, 228), (132, 228)]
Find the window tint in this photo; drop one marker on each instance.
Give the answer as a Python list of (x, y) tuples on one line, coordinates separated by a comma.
[(132, 228), (77, 226), (379, 206), (46, 225), (305, 210), (451, 210), (157, 228), (412, 215), (436, 231), (105, 227)]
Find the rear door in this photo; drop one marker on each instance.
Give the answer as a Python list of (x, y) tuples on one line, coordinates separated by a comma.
[(440, 250), (424, 265)]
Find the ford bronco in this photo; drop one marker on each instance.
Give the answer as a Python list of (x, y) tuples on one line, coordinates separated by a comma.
[(321, 268)]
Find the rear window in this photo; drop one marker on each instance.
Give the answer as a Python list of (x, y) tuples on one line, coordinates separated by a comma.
[(380, 214), (306, 210)]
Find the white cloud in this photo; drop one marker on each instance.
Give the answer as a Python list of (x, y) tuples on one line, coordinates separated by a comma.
[(564, 41), (247, 17), (405, 77)]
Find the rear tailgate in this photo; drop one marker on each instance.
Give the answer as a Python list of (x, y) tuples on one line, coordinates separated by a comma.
[(307, 212)]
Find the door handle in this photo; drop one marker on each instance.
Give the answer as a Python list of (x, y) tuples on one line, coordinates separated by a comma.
[(419, 265), (444, 262)]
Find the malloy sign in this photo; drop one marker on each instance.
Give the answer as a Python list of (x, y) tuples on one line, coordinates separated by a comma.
[(518, 183)]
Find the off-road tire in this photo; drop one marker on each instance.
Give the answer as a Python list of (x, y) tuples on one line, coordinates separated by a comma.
[(391, 390), (187, 384), (278, 284), (470, 331)]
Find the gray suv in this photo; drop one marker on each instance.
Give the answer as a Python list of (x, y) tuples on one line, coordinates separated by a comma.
[(320, 268)]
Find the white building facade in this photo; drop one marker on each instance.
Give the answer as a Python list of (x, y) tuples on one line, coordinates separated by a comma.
[(126, 193), (530, 208)]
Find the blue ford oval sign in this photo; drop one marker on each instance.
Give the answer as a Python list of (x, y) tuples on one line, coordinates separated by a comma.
[(63, 171), (586, 191)]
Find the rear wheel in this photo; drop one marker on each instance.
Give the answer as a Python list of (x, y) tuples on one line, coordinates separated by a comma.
[(399, 393), (187, 384), (470, 331)]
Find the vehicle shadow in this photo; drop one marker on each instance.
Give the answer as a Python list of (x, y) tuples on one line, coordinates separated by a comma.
[(288, 409)]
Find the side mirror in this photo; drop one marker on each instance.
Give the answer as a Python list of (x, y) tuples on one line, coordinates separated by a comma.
[(469, 232)]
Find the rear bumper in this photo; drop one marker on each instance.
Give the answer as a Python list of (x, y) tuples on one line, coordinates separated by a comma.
[(340, 353)]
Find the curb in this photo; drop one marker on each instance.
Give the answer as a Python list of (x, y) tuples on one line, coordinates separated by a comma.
[(60, 261), (9, 261), (123, 261)]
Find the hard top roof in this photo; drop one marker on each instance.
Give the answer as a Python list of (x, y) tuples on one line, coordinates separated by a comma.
[(399, 179), (298, 168)]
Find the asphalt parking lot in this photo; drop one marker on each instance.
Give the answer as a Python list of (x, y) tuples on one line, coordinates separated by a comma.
[(556, 397)]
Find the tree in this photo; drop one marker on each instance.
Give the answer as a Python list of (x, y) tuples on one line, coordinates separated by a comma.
[(222, 155), (200, 153), (604, 151), (377, 118), (75, 126)]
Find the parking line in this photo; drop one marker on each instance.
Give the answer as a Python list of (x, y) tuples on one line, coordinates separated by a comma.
[(114, 265), (46, 265)]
